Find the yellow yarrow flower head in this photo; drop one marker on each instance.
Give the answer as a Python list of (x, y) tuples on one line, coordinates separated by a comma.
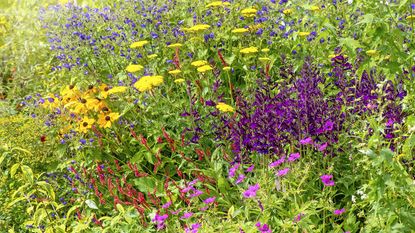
[(224, 107), (287, 11), (106, 120), (266, 50), (217, 4), (197, 28), (372, 52), (199, 63), (226, 68), (85, 124), (134, 68), (147, 83), (240, 30), (179, 80), (174, 72), (138, 44), (303, 34), (249, 50), (176, 45), (249, 12), (205, 68)]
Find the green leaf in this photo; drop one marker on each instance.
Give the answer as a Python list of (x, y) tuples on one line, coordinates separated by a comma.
[(28, 173), (350, 43), (91, 204), (13, 170)]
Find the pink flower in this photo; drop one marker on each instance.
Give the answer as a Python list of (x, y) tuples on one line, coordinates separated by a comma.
[(293, 157), (250, 169), (306, 141), (339, 212), (233, 170), (321, 147), (277, 163), (167, 205), (209, 200), (263, 228), (283, 172), (196, 193), (240, 179), (251, 191), (327, 180), (186, 215), (193, 229)]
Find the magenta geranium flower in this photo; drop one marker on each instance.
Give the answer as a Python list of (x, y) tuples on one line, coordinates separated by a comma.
[(277, 163), (293, 157), (339, 212), (283, 172), (251, 191), (306, 141), (209, 200), (327, 180), (263, 228), (186, 215)]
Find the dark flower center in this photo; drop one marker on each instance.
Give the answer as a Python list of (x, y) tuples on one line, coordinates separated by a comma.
[(106, 89), (107, 118), (71, 86), (105, 109), (90, 87), (83, 101), (85, 124)]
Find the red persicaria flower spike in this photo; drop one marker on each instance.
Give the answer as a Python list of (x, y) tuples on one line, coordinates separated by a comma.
[(43, 138), (221, 58)]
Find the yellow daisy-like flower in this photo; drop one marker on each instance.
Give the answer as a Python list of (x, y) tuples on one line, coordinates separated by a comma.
[(197, 28), (120, 89), (104, 90), (217, 4), (177, 45), (83, 105), (134, 68), (147, 83), (264, 59), (249, 12), (85, 124), (174, 72), (199, 63), (106, 120), (315, 8), (287, 11), (266, 50), (303, 34), (138, 44), (151, 56), (224, 107), (203, 69), (226, 68), (249, 50), (372, 52), (240, 30), (179, 80)]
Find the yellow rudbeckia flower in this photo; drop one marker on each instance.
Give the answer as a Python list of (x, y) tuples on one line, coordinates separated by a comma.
[(106, 120), (85, 124)]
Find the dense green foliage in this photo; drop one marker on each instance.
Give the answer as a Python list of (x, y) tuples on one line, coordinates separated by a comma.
[(207, 116)]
